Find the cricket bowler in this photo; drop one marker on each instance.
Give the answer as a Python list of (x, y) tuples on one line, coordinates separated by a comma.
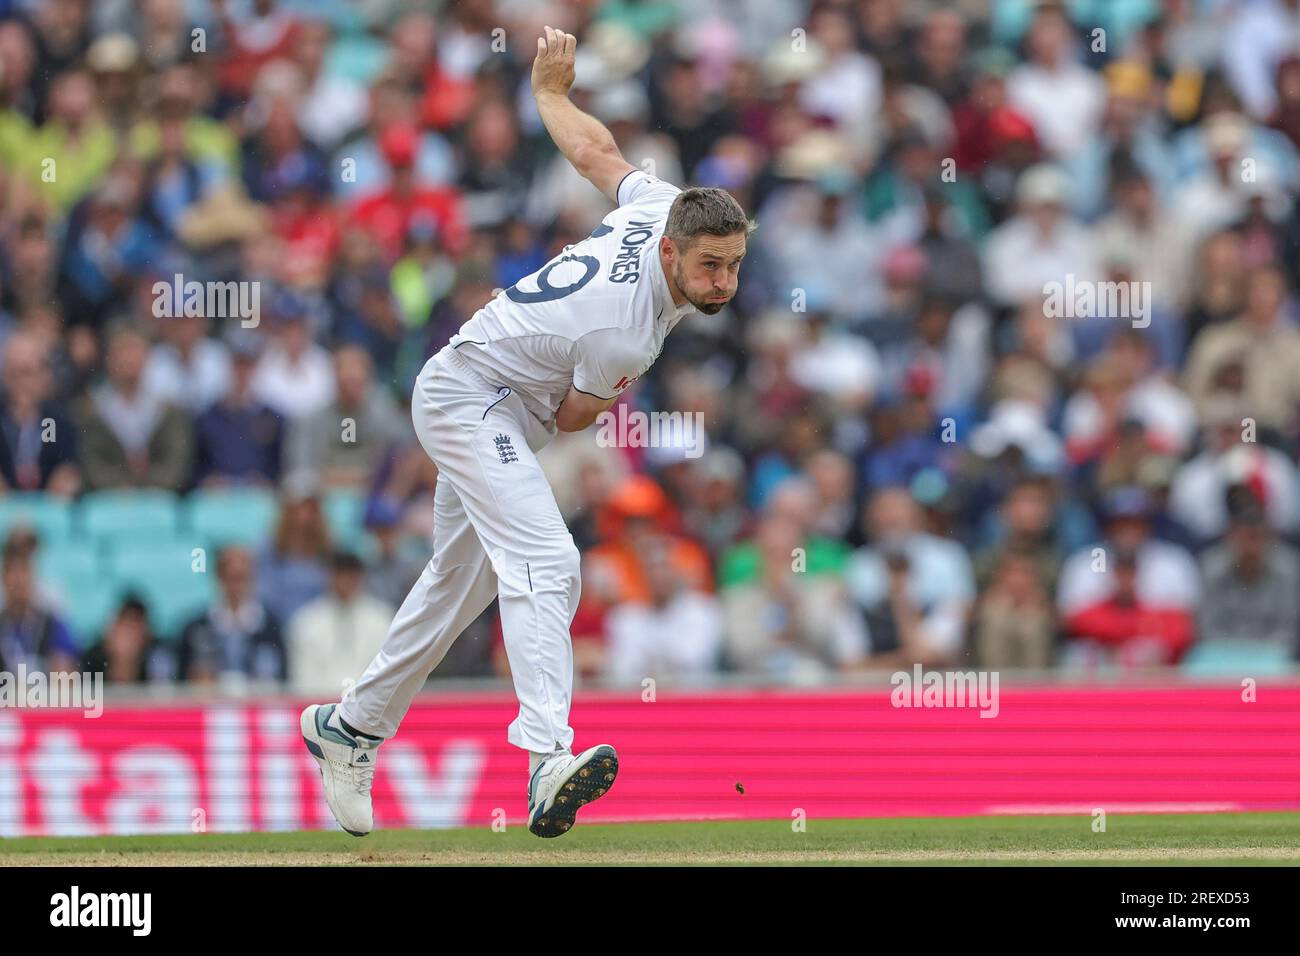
[(550, 353)]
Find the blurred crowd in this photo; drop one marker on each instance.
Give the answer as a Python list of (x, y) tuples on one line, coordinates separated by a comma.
[(909, 457)]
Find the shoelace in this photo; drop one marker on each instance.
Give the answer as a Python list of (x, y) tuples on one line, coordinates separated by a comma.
[(361, 778)]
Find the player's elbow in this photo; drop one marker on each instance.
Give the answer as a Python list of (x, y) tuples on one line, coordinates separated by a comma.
[(569, 421), (591, 157)]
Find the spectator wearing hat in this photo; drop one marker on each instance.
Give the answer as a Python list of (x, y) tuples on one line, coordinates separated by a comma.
[(129, 436), (1198, 492), (1251, 580), (333, 637), (637, 515), (1213, 196), (238, 637), (1128, 136), (386, 215), (239, 439), (1042, 243), (113, 60), (984, 124)]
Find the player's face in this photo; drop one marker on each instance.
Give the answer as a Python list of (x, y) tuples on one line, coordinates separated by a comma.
[(708, 271)]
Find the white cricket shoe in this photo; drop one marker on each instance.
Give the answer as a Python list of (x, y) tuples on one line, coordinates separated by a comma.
[(347, 767), (563, 783)]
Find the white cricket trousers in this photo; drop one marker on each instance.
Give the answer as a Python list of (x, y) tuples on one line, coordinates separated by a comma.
[(497, 532)]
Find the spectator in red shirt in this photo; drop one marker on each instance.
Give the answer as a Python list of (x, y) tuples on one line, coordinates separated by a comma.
[(1125, 629), (266, 34), (386, 216)]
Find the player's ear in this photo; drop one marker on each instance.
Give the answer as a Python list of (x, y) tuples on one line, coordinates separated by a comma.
[(668, 248)]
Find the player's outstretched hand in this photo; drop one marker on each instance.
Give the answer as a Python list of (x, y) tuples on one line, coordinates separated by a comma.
[(553, 68)]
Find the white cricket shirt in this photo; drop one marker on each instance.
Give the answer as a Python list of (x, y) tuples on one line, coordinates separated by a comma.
[(594, 317)]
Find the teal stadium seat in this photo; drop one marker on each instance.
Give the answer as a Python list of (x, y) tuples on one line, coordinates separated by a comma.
[(344, 514), (220, 518), (73, 571), (1237, 658), (90, 609), (48, 516), (111, 517), (162, 573)]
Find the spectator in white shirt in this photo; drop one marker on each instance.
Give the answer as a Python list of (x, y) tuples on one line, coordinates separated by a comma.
[(1040, 244), (678, 636), (333, 638), (187, 368), (295, 376), (1062, 98)]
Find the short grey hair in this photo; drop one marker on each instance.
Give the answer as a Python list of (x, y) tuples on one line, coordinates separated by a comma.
[(705, 211)]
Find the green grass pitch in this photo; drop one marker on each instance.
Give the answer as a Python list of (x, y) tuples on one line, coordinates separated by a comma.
[(1130, 839)]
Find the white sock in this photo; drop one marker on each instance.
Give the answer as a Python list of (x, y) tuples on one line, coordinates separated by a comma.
[(534, 758)]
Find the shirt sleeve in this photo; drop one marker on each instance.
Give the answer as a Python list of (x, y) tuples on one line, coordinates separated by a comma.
[(638, 186), (606, 364)]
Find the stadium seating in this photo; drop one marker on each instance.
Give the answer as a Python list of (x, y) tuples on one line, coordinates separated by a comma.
[(128, 515), (48, 516), (174, 576), (344, 513), (219, 518)]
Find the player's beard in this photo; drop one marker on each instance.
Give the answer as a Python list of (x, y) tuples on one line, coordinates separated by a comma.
[(706, 307)]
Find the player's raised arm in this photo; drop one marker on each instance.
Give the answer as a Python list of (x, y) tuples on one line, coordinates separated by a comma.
[(583, 139)]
